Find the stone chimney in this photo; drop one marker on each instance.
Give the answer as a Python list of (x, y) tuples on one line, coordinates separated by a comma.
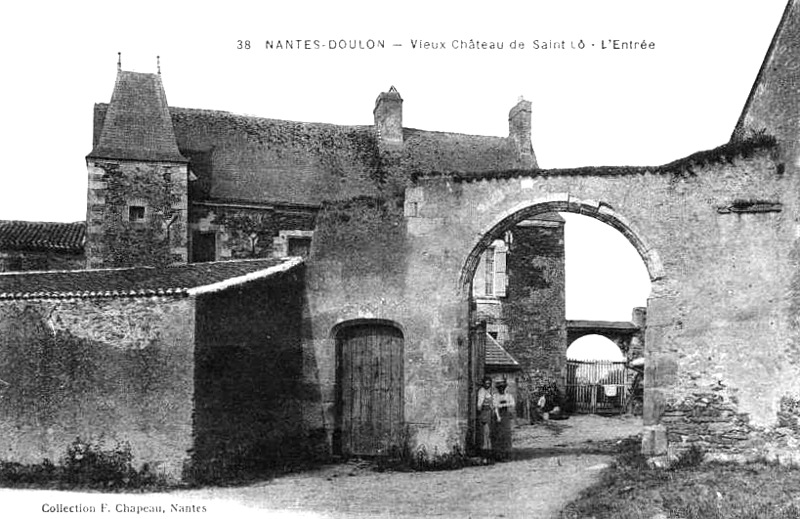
[(519, 131), (388, 114)]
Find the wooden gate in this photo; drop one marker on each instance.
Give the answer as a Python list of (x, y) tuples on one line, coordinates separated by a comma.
[(370, 389), (599, 387)]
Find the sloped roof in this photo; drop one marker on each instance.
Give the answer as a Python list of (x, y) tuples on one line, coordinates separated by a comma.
[(427, 151), (252, 158), (42, 236), (260, 159), (192, 279), (137, 123), (497, 357)]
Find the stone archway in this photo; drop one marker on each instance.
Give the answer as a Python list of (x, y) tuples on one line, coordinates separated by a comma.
[(539, 341), (562, 202), (703, 216)]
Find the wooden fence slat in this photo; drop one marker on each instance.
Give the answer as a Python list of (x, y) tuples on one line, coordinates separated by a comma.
[(597, 386)]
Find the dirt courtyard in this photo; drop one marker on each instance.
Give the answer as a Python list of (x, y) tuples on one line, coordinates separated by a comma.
[(551, 463)]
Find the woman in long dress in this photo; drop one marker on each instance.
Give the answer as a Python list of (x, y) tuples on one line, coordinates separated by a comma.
[(505, 410), (486, 413)]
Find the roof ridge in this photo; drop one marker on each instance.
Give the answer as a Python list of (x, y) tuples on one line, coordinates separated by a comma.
[(41, 222), (186, 280), (212, 111), (456, 134)]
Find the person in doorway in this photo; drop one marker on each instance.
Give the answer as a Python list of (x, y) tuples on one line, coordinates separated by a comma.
[(486, 412), (505, 410)]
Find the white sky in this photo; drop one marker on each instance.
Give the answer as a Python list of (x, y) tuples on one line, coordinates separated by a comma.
[(590, 107)]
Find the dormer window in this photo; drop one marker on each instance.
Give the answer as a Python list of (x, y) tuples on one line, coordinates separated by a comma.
[(136, 213)]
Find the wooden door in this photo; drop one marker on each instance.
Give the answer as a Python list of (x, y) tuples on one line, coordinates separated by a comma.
[(370, 387)]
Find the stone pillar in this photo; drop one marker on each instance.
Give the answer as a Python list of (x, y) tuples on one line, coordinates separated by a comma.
[(661, 368)]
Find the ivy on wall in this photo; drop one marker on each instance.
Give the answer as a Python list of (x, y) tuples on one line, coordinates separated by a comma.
[(137, 243)]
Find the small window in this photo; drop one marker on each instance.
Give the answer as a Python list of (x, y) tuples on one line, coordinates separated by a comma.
[(299, 246), (204, 247), (136, 213)]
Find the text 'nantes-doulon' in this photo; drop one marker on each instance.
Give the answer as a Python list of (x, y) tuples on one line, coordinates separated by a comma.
[(336, 44)]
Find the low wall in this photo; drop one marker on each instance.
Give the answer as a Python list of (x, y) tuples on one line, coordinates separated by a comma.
[(104, 370)]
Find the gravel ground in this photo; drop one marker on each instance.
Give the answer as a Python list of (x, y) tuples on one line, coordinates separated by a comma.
[(551, 463)]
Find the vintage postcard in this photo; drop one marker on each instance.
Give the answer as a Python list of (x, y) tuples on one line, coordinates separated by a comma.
[(351, 259)]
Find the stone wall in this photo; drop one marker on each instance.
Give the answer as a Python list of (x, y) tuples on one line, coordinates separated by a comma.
[(248, 232), (535, 307), (248, 391), (17, 261), (104, 370), (716, 231), (113, 239), (359, 270)]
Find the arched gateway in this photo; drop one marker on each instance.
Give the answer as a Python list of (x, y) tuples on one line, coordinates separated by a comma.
[(718, 232), (709, 229)]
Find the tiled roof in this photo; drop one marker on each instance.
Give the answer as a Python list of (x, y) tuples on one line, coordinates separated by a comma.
[(137, 123), (182, 280), (42, 236), (497, 357), (258, 159)]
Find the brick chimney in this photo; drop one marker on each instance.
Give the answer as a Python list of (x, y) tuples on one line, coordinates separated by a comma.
[(388, 114), (519, 131)]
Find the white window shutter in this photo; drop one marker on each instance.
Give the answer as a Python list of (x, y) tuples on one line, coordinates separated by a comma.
[(500, 279)]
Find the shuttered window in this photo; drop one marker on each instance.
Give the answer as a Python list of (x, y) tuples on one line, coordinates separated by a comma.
[(488, 275), (490, 279), (500, 272)]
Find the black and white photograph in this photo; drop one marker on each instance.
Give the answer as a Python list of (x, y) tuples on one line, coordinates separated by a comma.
[(335, 260)]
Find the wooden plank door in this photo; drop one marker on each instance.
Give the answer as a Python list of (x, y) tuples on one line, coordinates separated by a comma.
[(370, 372)]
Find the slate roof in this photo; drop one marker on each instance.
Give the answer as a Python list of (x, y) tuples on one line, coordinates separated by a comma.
[(181, 280), (497, 357), (251, 158), (137, 124), (42, 236)]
